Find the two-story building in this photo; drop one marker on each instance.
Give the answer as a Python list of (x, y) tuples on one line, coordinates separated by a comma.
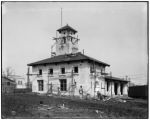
[(68, 69)]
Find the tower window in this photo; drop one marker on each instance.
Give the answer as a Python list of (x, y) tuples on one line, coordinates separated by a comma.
[(75, 69), (103, 70), (40, 85), (64, 40), (62, 70), (40, 71), (63, 85), (50, 71)]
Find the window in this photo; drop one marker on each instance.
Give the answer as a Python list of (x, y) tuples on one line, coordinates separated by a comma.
[(19, 82), (62, 70), (63, 85), (75, 69), (40, 85), (91, 69), (8, 83), (40, 71), (63, 40), (50, 71), (102, 70)]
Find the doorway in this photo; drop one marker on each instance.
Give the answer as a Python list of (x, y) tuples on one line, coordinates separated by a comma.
[(115, 88), (121, 89)]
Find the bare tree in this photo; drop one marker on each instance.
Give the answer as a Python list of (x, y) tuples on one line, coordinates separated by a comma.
[(8, 72)]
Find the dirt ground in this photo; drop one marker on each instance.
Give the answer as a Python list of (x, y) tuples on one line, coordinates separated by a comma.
[(35, 106)]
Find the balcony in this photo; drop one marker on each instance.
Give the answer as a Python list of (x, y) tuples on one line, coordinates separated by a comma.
[(98, 74)]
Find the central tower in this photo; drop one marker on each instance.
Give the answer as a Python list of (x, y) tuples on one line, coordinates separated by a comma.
[(66, 43)]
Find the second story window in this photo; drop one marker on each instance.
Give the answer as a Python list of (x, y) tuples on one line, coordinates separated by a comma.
[(50, 71), (75, 69), (62, 70), (91, 69), (40, 71)]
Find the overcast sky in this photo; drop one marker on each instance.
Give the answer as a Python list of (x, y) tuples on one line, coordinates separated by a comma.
[(112, 32)]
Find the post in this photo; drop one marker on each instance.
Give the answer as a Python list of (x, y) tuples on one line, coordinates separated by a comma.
[(48, 84), (61, 17), (94, 79), (72, 84), (51, 89), (28, 79), (111, 89)]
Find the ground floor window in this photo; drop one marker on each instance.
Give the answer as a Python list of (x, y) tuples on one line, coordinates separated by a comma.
[(40, 85), (63, 85)]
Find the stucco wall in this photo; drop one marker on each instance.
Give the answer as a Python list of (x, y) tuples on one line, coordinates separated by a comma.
[(20, 86), (82, 78)]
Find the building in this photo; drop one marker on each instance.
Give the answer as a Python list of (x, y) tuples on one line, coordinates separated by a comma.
[(8, 85), (21, 82), (68, 69)]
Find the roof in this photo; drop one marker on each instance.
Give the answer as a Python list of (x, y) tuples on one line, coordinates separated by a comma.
[(5, 78), (67, 58), (115, 79), (67, 27)]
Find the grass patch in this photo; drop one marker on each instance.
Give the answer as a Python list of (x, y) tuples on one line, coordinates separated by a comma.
[(24, 104)]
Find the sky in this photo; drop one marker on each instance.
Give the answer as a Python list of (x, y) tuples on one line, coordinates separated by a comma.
[(112, 32)]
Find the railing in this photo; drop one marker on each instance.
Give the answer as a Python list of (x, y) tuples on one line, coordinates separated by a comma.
[(98, 74)]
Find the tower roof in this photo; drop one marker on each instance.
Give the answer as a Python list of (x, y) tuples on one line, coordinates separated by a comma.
[(67, 27)]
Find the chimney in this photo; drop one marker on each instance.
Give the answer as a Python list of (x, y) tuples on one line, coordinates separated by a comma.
[(83, 51)]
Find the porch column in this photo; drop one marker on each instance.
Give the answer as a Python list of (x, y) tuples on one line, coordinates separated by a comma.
[(109, 88), (125, 89), (118, 89), (112, 88)]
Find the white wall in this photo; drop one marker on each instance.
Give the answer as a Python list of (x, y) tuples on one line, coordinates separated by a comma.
[(82, 78), (23, 83)]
